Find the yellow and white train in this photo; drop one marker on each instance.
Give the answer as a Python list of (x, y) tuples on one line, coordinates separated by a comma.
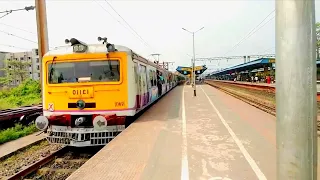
[(91, 91)]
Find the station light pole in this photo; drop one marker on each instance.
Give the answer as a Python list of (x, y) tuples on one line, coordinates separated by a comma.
[(194, 60), (296, 103)]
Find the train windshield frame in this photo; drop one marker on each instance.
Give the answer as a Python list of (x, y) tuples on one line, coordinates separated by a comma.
[(91, 70)]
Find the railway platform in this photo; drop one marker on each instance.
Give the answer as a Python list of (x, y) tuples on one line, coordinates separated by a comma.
[(211, 136)]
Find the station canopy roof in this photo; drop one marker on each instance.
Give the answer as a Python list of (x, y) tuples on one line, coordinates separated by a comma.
[(256, 64), (187, 70)]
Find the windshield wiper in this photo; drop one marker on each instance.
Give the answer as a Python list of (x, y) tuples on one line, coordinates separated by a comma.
[(51, 68)]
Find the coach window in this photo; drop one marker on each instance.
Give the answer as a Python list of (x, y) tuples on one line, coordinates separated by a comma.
[(150, 78), (94, 71)]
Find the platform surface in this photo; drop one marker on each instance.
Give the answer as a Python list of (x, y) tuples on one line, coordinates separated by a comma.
[(211, 136)]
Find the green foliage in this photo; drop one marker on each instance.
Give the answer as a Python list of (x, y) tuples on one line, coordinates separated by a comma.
[(27, 93), (15, 70), (318, 39), (16, 132)]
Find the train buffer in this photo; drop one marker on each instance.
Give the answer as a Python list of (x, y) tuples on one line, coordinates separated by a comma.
[(210, 136)]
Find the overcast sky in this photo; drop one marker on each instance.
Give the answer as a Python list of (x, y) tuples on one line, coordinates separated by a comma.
[(159, 23)]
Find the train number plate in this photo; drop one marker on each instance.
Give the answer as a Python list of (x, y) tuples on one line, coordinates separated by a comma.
[(76, 93)]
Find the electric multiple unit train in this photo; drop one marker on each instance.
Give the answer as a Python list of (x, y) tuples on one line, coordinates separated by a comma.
[(91, 91)]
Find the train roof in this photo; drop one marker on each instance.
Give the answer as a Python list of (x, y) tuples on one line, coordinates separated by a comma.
[(98, 48), (92, 48)]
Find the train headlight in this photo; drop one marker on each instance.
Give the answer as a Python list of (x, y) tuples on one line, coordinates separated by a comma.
[(80, 104), (42, 123), (80, 48), (99, 123)]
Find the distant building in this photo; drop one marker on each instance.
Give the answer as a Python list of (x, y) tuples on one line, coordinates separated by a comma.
[(30, 56), (2, 65)]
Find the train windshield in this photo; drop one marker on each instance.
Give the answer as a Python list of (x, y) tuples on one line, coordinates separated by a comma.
[(84, 71)]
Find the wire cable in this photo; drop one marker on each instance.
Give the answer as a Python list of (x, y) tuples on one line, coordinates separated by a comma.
[(13, 46), (135, 34), (254, 30), (18, 37), (128, 24), (10, 34), (18, 28), (27, 8)]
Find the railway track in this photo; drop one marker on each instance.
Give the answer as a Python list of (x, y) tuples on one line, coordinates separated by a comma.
[(23, 115), (254, 102), (58, 164), (255, 86), (267, 108)]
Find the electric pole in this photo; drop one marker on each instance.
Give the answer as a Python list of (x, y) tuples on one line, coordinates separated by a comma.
[(43, 44), (296, 90)]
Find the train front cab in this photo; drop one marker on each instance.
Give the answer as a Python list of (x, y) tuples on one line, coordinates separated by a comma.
[(84, 104)]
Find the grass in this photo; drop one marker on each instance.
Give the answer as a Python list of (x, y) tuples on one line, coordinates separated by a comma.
[(25, 94), (16, 132)]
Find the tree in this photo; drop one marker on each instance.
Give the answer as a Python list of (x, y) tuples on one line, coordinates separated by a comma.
[(15, 70), (318, 40)]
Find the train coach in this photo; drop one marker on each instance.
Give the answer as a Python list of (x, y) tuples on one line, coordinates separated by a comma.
[(90, 92)]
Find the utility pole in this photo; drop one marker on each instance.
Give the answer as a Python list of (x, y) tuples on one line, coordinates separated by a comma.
[(194, 60), (296, 90), (43, 44)]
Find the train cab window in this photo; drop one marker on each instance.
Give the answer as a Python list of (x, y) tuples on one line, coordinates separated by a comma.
[(93, 71)]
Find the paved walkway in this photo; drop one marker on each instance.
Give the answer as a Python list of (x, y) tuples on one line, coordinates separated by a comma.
[(211, 136), (12, 146)]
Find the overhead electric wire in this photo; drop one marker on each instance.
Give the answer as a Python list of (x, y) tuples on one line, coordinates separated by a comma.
[(135, 33), (251, 32), (128, 24), (27, 8), (10, 34), (13, 46), (4, 15), (18, 28)]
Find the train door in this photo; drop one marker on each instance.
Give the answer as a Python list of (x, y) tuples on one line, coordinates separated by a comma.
[(150, 84), (137, 82), (164, 85), (143, 85)]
